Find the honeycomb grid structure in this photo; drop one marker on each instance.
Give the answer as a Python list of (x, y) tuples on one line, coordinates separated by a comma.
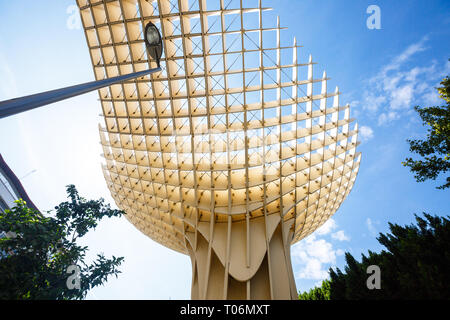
[(226, 155)]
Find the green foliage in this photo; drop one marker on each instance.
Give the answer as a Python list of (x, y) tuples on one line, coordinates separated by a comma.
[(415, 265), (435, 150), (40, 248), (318, 293)]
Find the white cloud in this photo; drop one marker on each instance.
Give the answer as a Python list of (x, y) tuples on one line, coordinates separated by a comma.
[(372, 103), (366, 133), (371, 227), (386, 118), (312, 270), (399, 85), (406, 55), (401, 97), (327, 227), (446, 69), (432, 97), (312, 253), (313, 257), (340, 235)]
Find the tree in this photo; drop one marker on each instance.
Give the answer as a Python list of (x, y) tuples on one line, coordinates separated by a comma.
[(317, 293), (39, 250), (435, 150), (414, 265)]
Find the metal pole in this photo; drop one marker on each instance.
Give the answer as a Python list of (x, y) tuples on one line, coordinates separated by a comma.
[(18, 105)]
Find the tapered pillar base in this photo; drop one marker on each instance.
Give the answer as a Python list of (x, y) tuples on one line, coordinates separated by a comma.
[(248, 260)]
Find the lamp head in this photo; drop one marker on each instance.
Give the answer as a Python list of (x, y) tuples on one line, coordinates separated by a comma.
[(153, 41)]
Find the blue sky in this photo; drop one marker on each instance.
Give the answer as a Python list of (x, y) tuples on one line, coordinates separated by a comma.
[(382, 73)]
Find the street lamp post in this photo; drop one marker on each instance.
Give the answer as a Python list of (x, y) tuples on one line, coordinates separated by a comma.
[(153, 42)]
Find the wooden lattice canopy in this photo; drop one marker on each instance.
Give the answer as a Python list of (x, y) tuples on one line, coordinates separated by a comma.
[(231, 153)]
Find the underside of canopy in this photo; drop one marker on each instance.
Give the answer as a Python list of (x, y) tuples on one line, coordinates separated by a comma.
[(233, 152)]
